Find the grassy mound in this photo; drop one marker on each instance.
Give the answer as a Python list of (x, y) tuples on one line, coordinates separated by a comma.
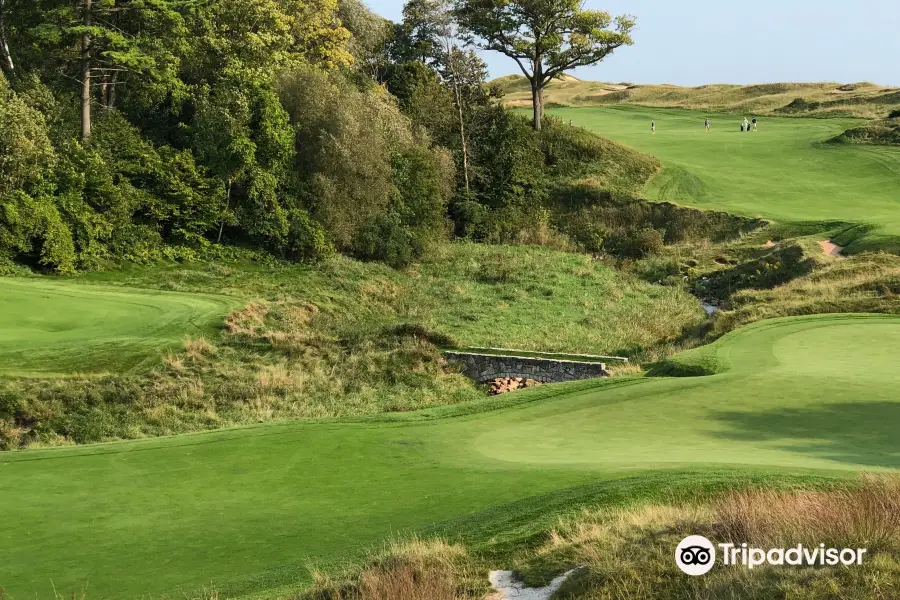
[(50, 328), (341, 338), (885, 132), (800, 99), (274, 496)]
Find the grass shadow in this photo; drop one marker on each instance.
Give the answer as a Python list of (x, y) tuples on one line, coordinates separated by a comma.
[(863, 433)]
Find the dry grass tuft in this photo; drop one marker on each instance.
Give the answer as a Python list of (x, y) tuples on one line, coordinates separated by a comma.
[(246, 321), (197, 348), (867, 515), (410, 570), (621, 369), (406, 582)]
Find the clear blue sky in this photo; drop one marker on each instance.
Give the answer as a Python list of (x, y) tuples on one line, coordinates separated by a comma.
[(693, 42)]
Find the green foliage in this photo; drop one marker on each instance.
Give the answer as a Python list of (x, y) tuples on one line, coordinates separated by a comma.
[(30, 222), (263, 124), (598, 221), (379, 190), (424, 99), (545, 38), (638, 243)]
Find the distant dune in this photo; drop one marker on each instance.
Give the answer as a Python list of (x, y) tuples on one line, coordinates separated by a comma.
[(863, 99)]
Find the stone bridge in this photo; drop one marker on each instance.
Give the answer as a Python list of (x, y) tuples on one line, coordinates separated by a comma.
[(487, 367)]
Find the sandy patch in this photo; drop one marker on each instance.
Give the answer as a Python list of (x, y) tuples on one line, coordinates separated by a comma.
[(506, 587), (830, 248), (769, 244)]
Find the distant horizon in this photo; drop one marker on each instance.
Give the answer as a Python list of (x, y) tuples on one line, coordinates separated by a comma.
[(811, 82), (780, 41)]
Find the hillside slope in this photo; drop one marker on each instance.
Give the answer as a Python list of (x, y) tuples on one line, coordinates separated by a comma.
[(797, 99)]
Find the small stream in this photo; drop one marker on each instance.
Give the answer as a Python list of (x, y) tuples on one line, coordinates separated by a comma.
[(709, 308)]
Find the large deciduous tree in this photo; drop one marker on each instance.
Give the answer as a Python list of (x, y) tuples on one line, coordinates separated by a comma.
[(544, 37)]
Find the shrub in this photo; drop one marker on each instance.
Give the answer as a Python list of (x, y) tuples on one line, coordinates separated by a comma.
[(638, 243), (307, 239)]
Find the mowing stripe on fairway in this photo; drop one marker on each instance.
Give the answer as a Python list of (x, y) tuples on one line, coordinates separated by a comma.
[(247, 509)]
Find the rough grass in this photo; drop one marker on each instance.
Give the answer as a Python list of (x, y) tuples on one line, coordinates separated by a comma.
[(867, 282), (795, 99), (625, 552), (629, 553), (884, 132), (405, 570), (345, 338)]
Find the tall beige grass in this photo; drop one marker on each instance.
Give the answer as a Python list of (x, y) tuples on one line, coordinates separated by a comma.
[(406, 570), (867, 515)]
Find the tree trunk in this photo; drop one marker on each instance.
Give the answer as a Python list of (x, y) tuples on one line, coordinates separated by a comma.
[(537, 100), (86, 75), (111, 101), (459, 107), (227, 207), (6, 60)]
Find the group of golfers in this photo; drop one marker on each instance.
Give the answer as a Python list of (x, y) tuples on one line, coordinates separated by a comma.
[(745, 125)]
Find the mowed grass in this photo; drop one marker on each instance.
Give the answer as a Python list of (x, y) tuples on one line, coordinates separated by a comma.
[(785, 171), (251, 509), (52, 327)]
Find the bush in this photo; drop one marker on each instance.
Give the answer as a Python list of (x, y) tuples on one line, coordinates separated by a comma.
[(469, 217), (638, 243), (388, 240), (307, 239)]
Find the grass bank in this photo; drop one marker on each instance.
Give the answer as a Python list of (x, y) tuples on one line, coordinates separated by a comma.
[(343, 338)]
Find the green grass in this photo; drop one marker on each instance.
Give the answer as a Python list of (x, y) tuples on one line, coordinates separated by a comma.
[(342, 338), (783, 172), (52, 327), (248, 509)]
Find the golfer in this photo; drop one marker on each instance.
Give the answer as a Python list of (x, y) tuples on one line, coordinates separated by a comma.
[(754, 123), (653, 127), (746, 125), (707, 124)]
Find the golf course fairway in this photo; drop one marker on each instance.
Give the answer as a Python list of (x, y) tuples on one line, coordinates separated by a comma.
[(248, 509), (52, 328), (786, 171)]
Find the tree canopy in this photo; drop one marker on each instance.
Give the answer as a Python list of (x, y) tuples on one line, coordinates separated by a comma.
[(142, 130), (544, 37)]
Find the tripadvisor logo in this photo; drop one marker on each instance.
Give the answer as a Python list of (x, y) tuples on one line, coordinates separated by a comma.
[(696, 555)]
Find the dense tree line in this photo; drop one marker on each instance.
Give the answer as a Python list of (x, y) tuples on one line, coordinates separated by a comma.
[(136, 129)]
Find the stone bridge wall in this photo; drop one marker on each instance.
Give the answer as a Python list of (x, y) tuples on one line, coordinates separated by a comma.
[(487, 367)]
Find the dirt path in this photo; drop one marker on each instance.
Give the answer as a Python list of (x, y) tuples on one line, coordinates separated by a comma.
[(830, 248)]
